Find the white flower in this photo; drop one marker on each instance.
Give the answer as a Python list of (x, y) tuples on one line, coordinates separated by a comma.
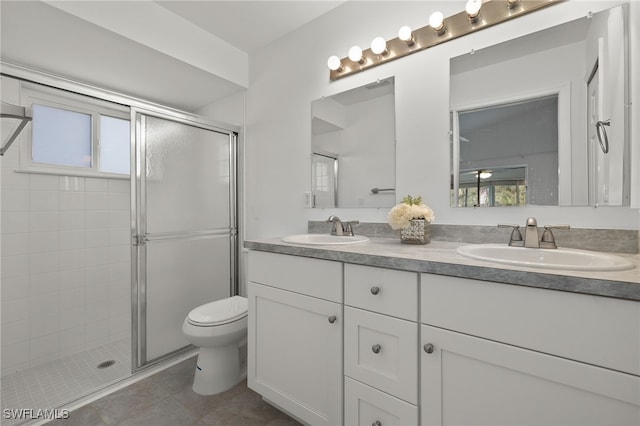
[(411, 208), (422, 211), (399, 216)]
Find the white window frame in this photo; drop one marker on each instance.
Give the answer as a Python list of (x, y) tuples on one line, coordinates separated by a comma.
[(563, 92), (57, 98)]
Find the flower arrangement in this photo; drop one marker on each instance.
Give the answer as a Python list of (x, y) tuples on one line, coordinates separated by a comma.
[(410, 208)]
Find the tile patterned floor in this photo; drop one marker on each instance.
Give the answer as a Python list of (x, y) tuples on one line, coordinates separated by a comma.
[(166, 398), (61, 381)]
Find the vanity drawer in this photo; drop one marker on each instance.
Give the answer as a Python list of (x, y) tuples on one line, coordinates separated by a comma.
[(382, 351), (312, 277), (387, 291), (596, 330), (364, 406)]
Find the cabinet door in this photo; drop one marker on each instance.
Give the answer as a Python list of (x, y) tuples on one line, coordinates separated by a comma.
[(364, 406), (472, 381), (295, 353)]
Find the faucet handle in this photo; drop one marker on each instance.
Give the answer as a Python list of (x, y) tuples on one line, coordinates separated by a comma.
[(516, 235), (508, 226), (348, 229), (564, 227), (548, 240)]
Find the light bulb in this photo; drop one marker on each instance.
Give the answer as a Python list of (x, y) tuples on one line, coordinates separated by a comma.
[(334, 63), (473, 8), (379, 46), (436, 20), (404, 33), (355, 54)]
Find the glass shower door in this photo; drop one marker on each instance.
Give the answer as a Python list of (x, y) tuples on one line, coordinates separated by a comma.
[(185, 227)]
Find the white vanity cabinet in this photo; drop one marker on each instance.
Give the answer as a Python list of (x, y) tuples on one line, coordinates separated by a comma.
[(333, 343), (381, 346), (295, 335), (501, 354)]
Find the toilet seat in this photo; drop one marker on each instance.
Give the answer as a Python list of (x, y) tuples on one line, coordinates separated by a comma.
[(219, 312)]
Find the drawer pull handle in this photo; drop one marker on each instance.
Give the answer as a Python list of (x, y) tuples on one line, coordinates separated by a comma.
[(428, 348), (332, 319), (375, 290), (376, 349), (376, 423)]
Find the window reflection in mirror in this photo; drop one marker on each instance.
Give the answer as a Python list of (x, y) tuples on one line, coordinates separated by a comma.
[(505, 149), (496, 187), (559, 61), (353, 147)]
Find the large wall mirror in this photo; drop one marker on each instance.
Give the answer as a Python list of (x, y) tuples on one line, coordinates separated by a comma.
[(543, 119), (353, 161)]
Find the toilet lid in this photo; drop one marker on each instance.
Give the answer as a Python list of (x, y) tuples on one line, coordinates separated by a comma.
[(219, 312)]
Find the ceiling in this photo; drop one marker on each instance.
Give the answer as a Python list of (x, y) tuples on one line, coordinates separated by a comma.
[(42, 35), (249, 25)]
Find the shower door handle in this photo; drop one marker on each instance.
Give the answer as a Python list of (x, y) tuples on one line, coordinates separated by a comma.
[(143, 239), (140, 240)]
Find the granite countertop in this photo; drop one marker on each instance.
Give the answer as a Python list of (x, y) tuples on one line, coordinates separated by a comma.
[(441, 258)]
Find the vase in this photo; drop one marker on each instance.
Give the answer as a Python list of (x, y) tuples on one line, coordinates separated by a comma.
[(418, 232)]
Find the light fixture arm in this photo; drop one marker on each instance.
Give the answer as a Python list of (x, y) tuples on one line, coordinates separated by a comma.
[(454, 26)]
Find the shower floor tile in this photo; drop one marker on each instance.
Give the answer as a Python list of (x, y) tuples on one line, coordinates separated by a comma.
[(56, 383)]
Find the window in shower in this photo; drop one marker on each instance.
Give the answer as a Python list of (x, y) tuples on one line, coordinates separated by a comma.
[(76, 135), (114, 145)]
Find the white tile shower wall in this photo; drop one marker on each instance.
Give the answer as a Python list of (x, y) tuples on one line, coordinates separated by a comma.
[(65, 265)]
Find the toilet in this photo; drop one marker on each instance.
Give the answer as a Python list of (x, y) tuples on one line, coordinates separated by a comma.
[(219, 329)]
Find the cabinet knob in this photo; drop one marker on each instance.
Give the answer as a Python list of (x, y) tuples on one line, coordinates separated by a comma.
[(332, 319), (375, 290), (376, 349), (376, 423), (428, 348)]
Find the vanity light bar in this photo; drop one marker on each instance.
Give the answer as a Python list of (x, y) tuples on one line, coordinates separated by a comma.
[(491, 12)]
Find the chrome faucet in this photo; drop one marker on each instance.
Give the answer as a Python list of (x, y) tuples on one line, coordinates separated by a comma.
[(531, 233), (339, 228)]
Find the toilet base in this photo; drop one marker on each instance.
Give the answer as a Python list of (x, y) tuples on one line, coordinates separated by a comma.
[(217, 370)]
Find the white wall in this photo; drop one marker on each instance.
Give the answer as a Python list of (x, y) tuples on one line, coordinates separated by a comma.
[(287, 75), (66, 255)]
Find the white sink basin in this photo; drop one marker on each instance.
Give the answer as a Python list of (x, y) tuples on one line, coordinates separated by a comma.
[(324, 239), (561, 258)]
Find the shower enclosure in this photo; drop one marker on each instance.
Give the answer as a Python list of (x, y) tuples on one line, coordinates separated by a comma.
[(184, 209), (98, 273)]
